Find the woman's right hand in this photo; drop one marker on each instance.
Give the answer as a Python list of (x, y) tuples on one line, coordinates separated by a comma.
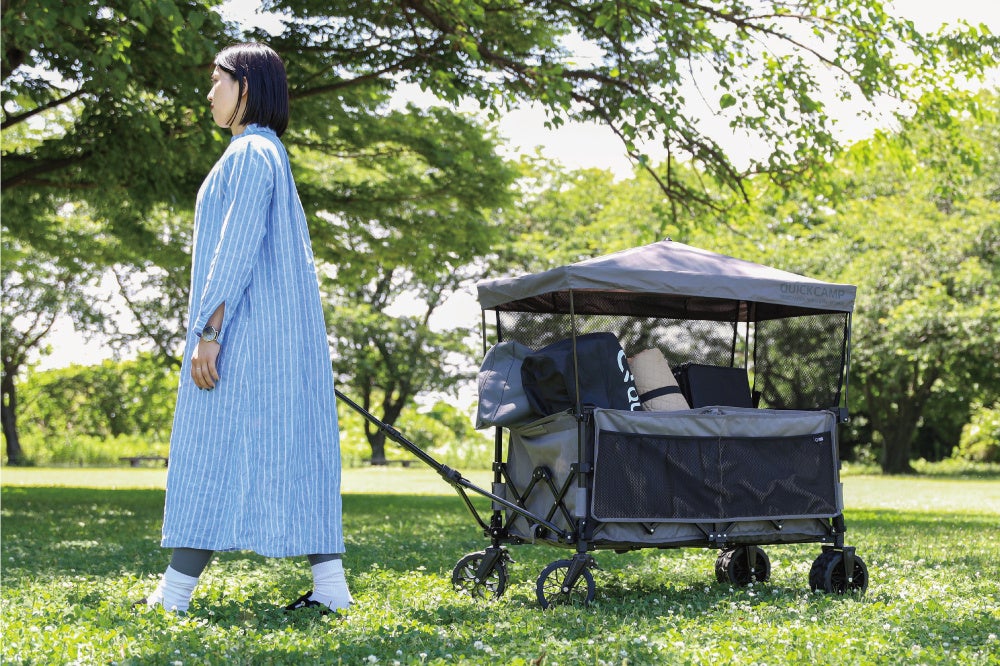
[(204, 364)]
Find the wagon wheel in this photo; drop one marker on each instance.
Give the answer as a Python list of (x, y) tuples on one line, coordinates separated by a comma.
[(733, 566), (829, 574), (463, 577), (551, 589)]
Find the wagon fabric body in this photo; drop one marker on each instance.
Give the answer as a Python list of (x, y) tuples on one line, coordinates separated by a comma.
[(718, 476)]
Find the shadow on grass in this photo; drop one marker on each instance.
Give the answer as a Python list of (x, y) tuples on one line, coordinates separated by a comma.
[(100, 532), (54, 531)]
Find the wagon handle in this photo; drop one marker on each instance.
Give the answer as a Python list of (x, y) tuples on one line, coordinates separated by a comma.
[(450, 475)]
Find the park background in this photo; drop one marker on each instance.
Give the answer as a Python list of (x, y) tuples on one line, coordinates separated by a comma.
[(886, 180), (417, 167)]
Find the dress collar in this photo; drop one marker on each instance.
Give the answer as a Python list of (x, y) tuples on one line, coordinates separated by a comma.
[(253, 128)]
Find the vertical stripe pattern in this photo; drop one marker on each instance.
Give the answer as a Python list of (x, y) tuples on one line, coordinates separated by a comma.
[(255, 463)]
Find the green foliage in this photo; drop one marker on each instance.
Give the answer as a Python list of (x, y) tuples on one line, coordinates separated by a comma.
[(101, 103), (94, 414), (913, 225), (74, 558), (105, 117), (85, 450), (399, 201), (641, 68), (927, 264), (980, 439), (442, 430), (447, 433), (37, 288)]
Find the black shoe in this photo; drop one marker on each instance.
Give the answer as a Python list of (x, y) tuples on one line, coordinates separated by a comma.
[(305, 602)]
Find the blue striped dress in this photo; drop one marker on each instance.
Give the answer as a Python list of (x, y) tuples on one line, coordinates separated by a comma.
[(255, 463)]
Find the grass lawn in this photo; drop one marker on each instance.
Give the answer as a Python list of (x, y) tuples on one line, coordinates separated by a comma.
[(79, 545)]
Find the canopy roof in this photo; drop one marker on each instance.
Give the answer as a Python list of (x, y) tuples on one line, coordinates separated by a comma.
[(668, 279)]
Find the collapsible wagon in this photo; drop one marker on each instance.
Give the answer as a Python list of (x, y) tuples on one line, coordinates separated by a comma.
[(661, 397)]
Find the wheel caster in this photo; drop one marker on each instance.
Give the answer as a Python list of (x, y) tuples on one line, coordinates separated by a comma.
[(829, 574), (553, 587), (734, 566), (467, 578)]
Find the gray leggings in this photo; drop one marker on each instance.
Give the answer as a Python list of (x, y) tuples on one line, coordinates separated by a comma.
[(192, 561)]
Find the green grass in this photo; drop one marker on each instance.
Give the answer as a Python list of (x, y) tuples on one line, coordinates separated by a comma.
[(73, 557)]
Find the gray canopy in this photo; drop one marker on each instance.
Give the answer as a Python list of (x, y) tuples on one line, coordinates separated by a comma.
[(667, 279)]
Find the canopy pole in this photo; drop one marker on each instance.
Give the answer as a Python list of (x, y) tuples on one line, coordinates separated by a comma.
[(736, 336), (846, 364), (576, 366)]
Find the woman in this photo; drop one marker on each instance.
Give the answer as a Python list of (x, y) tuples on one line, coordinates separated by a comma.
[(255, 447)]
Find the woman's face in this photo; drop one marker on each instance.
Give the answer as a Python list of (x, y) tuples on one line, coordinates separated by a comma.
[(225, 100)]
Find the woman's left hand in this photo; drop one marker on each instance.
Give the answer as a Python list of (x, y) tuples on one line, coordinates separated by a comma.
[(204, 364)]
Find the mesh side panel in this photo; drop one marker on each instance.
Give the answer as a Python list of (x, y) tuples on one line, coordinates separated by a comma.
[(681, 340), (796, 363), (799, 361), (641, 477)]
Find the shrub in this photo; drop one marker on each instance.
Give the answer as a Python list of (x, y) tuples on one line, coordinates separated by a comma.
[(104, 400), (89, 450), (980, 439)]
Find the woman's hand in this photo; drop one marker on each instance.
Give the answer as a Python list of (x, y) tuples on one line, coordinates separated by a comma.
[(204, 368)]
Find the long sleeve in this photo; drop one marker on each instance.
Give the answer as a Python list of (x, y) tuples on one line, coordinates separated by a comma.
[(248, 184)]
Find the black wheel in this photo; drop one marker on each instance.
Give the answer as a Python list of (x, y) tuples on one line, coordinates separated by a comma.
[(463, 577), (733, 566), (829, 574), (551, 590)]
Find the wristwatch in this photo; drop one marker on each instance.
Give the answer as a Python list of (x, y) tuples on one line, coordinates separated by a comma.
[(210, 334)]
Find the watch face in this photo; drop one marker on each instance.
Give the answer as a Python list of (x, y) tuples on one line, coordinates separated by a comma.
[(209, 334)]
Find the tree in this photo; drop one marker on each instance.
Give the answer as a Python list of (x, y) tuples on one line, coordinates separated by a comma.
[(104, 101), (405, 240), (108, 399), (36, 290), (651, 71), (99, 133), (397, 199), (909, 217), (930, 304), (120, 90)]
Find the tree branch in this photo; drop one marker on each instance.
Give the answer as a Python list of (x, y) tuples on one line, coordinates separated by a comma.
[(142, 324), (29, 175), (10, 121)]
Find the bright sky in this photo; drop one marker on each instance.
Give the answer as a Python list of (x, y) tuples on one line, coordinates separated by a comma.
[(575, 145)]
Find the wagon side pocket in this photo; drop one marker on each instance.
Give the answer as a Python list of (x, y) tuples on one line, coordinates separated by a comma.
[(651, 478)]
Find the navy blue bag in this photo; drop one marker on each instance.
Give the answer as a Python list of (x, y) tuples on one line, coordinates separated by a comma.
[(549, 376)]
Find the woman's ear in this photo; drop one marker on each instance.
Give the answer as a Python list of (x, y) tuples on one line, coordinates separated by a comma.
[(246, 87)]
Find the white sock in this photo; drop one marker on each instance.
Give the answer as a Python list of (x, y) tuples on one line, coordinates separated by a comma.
[(174, 591), (330, 585)]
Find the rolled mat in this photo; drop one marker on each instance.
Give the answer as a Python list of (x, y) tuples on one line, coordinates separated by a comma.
[(658, 390)]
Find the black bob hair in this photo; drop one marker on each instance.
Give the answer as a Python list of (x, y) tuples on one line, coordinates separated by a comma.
[(260, 71)]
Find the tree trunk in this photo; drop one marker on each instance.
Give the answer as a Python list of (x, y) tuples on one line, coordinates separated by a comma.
[(899, 434), (377, 442), (391, 409), (897, 450), (8, 414)]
